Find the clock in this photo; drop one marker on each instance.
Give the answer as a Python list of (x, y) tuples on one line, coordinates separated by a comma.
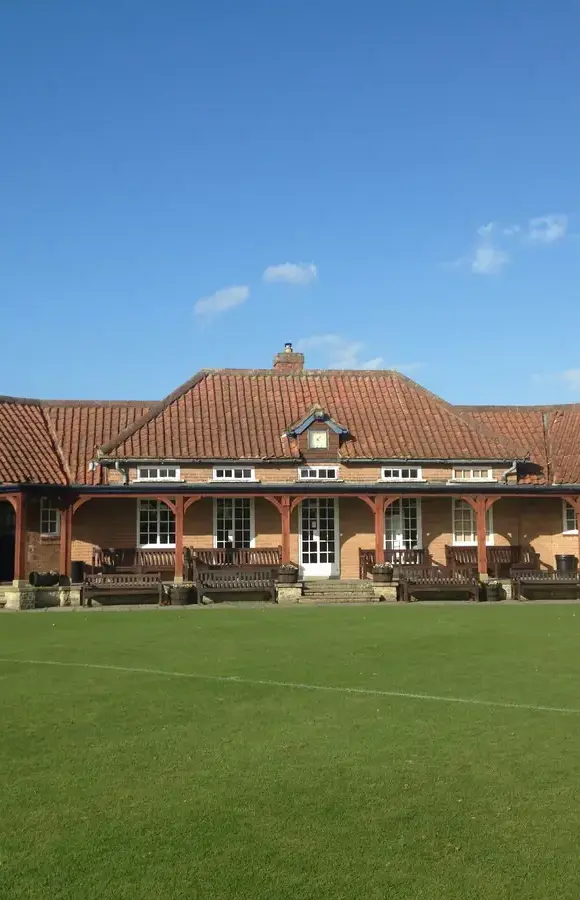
[(318, 439)]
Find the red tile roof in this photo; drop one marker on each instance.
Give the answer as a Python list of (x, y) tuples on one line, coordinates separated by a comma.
[(82, 427), (239, 414), (245, 414), (564, 444), (552, 434), (28, 449)]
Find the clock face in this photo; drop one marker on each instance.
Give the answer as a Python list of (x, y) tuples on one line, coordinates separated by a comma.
[(318, 440)]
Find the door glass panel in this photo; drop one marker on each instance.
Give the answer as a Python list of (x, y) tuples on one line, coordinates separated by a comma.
[(402, 524)]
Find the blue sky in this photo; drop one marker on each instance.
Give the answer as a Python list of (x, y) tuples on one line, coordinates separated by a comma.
[(190, 185)]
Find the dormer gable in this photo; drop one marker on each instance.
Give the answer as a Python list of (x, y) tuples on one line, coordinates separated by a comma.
[(316, 416), (317, 434)]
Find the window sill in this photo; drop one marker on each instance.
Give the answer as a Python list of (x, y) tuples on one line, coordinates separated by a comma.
[(155, 546), (234, 481), (573, 533), (403, 480), (49, 538), (158, 481), (473, 481), (473, 544)]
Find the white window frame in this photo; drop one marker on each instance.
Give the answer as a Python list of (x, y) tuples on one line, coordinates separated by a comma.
[(151, 546), (400, 476), (317, 469), (455, 477), (158, 477), (47, 508), (419, 524), (252, 519), (565, 508), (490, 537), (233, 468), (312, 431)]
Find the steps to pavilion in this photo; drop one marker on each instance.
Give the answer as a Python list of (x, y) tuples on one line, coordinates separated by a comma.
[(335, 591)]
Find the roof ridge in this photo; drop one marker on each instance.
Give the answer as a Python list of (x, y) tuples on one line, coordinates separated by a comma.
[(516, 407), (98, 403), (152, 413), (22, 401), (305, 373), (56, 444), (37, 401)]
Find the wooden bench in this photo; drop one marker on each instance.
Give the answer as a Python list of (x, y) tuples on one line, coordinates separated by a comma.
[(122, 585), (133, 560), (234, 581), (229, 557), (403, 557), (430, 579), (522, 582), (499, 559)]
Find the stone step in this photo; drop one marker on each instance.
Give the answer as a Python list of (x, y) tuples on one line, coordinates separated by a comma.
[(338, 593), (337, 587), (340, 598)]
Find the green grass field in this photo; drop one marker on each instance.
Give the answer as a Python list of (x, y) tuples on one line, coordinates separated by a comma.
[(146, 784)]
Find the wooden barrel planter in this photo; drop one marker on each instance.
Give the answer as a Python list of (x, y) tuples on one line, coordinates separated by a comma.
[(181, 594), (287, 577), (494, 591), (382, 574)]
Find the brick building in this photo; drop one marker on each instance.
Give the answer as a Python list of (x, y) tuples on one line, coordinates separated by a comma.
[(331, 466)]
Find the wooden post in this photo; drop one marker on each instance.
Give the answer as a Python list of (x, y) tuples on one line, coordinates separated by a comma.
[(575, 504), (179, 515), (66, 514), (285, 517), (379, 529), (480, 521), (20, 538)]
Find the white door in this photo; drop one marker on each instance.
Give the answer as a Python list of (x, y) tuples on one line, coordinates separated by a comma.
[(319, 550)]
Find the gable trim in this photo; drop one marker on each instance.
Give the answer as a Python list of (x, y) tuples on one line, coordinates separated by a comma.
[(316, 414), (155, 410)]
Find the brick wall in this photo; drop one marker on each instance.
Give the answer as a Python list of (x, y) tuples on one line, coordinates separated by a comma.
[(42, 553), (287, 473), (357, 530), (103, 523)]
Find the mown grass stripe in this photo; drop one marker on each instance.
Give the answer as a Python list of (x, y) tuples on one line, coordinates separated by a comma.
[(293, 685)]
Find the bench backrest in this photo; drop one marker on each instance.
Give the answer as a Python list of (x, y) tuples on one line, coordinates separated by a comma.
[(114, 558), (435, 575), (110, 581), (400, 557), (236, 579), (238, 557)]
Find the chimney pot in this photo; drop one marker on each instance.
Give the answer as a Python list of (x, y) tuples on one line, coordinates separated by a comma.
[(288, 362)]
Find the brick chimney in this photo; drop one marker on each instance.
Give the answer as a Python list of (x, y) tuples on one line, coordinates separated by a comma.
[(288, 362)]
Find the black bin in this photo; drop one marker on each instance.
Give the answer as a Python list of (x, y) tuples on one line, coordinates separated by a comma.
[(77, 571), (566, 562)]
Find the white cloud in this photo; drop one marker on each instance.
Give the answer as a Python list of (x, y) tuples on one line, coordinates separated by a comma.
[(571, 377), (488, 260), (341, 353), (377, 362), (489, 257), (222, 300), (547, 229), (291, 273)]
